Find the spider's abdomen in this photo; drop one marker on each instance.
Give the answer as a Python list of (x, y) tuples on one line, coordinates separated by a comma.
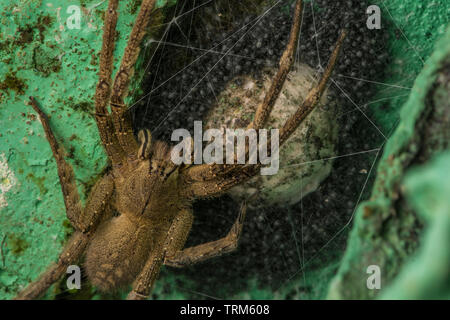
[(117, 253)]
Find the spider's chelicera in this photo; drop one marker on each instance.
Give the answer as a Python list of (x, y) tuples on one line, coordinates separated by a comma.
[(151, 193)]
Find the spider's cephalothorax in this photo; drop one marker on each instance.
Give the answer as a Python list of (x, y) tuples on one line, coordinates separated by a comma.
[(151, 195)]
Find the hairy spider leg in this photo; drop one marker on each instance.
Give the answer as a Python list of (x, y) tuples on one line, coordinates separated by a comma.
[(103, 90), (83, 220), (173, 241), (240, 174), (172, 253), (211, 249), (65, 170), (120, 113), (210, 171)]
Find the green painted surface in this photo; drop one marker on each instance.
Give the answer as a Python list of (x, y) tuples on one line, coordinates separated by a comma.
[(427, 275), (387, 230), (413, 27)]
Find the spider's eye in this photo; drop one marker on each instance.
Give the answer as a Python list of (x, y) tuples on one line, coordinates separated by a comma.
[(145, 139)]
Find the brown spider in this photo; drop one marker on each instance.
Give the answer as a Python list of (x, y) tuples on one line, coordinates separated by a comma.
[(151, 193)]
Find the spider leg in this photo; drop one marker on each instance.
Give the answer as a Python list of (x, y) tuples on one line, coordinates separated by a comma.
[(83, 220), (174, 241), (97, 204), (103, 90), (120, 114), (172, 255), (65, 170), (211, 249), (209, 171), (239, 173), (287, 59), (71, 253), (96, 209), (313, 96), (244, 173)]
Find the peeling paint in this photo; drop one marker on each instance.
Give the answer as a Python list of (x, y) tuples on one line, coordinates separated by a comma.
[(7, 180)]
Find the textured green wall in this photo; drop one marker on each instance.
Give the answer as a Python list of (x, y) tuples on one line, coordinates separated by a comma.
[(427, 275), (413, 26), (407, 220)]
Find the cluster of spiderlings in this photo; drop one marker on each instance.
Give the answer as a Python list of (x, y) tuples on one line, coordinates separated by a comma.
[(269, 249)]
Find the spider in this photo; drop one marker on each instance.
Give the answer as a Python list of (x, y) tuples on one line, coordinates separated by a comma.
[(152, 195)]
